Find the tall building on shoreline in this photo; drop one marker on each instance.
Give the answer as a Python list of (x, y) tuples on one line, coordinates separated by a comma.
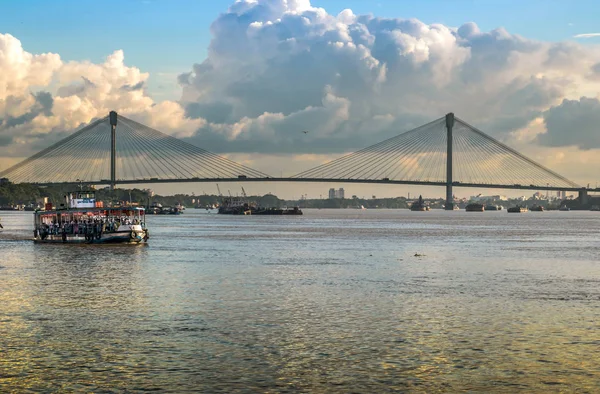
[(336, 193)]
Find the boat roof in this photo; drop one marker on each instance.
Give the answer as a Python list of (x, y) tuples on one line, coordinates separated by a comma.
[(83, 210)]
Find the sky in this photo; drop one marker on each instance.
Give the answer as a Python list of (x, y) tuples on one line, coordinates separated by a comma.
[(222, 75), (164, 37)]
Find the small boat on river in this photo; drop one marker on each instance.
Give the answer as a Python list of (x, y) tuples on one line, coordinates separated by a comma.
[(474, 207), (492, 207), (517, 209), (419, 205), (84, 220)]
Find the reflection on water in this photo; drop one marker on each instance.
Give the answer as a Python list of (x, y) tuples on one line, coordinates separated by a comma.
[(334, 301)]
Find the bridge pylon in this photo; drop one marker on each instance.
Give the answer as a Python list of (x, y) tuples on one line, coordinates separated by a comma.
[(113, 149), (449, 195)]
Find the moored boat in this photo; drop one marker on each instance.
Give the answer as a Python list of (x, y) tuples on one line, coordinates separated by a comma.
[(537, 208), (474, 207), (83, 220), (419, 205), (236, 206), (517, 209), (276, 211), (242, 206), (154, 209)]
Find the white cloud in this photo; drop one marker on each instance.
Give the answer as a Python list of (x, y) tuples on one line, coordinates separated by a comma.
[(270, 62), (586, 35), (43, 98), (21, 70)]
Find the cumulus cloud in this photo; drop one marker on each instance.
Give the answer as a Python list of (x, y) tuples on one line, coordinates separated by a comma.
[(43, 99), (573, 123), (276, 67)]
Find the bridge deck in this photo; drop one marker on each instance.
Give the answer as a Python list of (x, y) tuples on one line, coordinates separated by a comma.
[(332, 180)]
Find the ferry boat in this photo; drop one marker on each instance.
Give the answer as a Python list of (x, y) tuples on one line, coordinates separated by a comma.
[(85, 220)]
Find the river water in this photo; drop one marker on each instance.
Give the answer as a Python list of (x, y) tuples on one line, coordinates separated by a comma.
[(332, 301)]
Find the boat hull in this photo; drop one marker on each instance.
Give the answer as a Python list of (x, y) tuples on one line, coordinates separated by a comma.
[(260, 211), (123, 237), (474, 209)]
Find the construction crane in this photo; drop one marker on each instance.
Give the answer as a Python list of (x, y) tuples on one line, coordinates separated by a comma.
[(244, 193), (219, 190)]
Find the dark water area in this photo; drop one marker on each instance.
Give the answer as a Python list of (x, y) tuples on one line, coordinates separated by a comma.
[(332, 301)]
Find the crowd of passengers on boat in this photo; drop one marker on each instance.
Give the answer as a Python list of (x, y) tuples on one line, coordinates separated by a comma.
[(90, 227)]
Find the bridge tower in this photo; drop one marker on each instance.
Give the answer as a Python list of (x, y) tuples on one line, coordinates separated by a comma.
[(449, 195), (583, 197), (113, 149)]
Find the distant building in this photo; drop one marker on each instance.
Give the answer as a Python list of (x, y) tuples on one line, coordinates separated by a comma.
[(339, 193), (490, 198)]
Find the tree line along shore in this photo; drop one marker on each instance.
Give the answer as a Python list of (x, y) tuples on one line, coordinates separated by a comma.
[(19, 196)]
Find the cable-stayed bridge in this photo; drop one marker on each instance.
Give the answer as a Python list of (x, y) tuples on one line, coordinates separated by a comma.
[(447, 152)]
